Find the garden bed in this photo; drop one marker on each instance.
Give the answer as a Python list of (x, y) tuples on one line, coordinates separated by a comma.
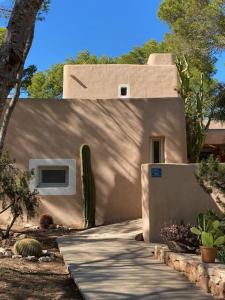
[(23, 279), (209, 277)]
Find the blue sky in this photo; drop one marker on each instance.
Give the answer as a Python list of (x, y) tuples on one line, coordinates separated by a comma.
[(110, 27)]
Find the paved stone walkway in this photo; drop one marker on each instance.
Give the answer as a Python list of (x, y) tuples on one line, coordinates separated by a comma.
[(107, 263)]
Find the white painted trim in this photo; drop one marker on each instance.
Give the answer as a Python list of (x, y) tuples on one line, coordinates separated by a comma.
[(68, 190), (126, 85)]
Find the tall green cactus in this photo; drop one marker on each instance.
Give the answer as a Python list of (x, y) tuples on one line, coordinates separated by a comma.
[(88, 187), (196, 110)]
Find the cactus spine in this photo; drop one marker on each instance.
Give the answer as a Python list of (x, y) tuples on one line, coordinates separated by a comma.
[(88, 187)]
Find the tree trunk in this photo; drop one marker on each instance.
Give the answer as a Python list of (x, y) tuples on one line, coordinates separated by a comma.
[(12, 103), (6, 236), (21, 22)]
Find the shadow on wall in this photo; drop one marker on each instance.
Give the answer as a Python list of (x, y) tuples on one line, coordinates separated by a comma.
[(118, 133), (173, 198)]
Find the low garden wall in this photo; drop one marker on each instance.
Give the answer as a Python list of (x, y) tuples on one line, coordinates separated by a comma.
[(209, 277), (171, 194)]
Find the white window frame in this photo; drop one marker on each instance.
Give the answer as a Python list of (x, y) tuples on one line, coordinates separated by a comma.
[(127, 86), (162, 149), (37, 164)]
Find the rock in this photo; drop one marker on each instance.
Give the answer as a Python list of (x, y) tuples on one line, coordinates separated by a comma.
[(48, 253), (2, 255), (31, 258), (2, 249), (44, 259), (16, 234), (17, 257), (28, 225), (52, 254), (45, 252), (22, 236), (8, 253), (139, 237)]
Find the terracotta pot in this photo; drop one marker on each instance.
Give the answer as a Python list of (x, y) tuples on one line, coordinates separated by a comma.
[(208, 254)]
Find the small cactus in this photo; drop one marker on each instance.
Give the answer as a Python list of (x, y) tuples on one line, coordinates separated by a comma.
[(28, 247), (45, 221)]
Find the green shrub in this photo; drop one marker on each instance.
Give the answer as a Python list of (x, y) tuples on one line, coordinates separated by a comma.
[(209, 230), (28, 247), (211, 174), (15, 194), (221, 255)]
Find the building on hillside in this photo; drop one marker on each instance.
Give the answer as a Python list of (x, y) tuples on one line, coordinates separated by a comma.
[(215, 141), (127, 114)]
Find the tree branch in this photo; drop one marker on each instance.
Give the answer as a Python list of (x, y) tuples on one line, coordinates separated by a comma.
[(10, 205)]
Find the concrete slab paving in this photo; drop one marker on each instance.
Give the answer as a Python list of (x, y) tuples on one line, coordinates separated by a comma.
[(107, 263)]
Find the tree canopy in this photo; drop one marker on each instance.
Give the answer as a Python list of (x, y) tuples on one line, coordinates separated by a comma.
[(197, 31)]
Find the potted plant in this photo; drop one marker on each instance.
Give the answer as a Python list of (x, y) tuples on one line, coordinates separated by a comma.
[(211, 237)]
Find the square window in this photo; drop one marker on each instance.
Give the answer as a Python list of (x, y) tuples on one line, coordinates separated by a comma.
[(53, 176), (124, 91)]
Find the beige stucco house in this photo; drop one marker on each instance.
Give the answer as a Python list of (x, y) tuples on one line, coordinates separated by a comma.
[(215, 141), (129, 115)]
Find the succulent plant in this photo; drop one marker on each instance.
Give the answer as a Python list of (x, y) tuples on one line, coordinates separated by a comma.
[(209, 231), (179, 237), (88, 187), (45, 221), (28, 247)]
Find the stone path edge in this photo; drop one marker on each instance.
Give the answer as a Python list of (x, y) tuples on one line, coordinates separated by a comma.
[(209, 277)]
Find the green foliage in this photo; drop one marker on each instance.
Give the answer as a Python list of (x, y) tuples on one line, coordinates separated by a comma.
[(210, 230), (140, 55), (195, 111), (211, 174), (15, 193), (194, 100), (199, 24), (28, 74), (197, 33), (28, 247), (207, 239), (203, 101), (2, 34), (221, 255), (47, 84), (88, 187)]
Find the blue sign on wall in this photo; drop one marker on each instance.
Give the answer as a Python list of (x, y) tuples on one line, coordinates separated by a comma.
[(156, 172)]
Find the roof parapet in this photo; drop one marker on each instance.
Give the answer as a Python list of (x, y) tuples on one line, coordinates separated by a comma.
[(161, 59)]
